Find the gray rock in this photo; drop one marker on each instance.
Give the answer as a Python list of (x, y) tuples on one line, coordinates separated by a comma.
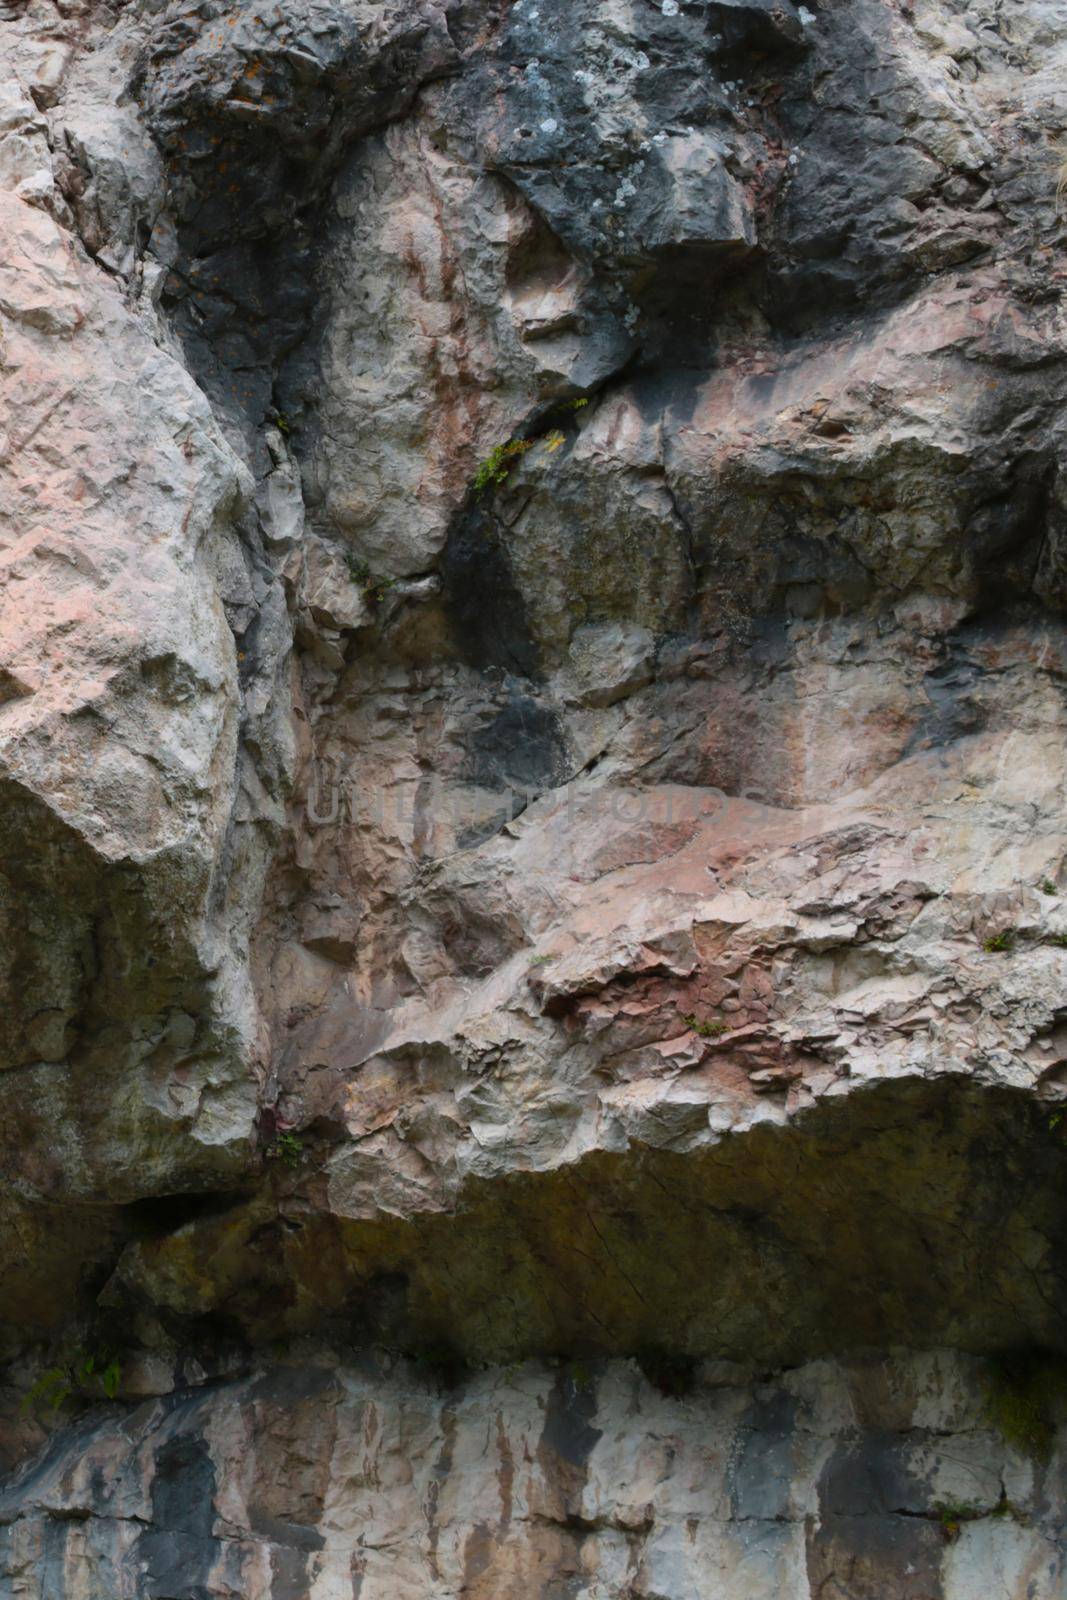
[(404, 1480), (531, 800)]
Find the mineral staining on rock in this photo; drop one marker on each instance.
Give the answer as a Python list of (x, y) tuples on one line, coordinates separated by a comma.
[(532, 569), (581, 1478)]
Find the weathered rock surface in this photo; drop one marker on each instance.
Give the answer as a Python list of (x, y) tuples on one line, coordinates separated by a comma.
[(533, 558), (874, 1478)]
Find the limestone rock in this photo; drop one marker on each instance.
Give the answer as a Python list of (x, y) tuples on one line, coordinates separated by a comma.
[(606, 1478), (533, 556)]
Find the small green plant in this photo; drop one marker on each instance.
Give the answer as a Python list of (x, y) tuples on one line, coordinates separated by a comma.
[(539, 961), (707, 1030), (999, 943), (1058, 939), (287, 1149), (375, 589), (952, 1515), (580, 1377), (84, 1376), (1047, 886), (282, 423), (53, 1388), (498, 464), (496, 468)]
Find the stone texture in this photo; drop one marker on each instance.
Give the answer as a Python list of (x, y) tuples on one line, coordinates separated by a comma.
[(533, 552), (873, 1478)]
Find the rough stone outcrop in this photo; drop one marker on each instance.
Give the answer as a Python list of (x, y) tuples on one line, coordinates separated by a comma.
[(533, 857), (869, 1478)]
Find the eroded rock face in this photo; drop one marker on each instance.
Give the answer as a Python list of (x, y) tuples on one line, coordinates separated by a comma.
[(532, 570), (879, 1477)]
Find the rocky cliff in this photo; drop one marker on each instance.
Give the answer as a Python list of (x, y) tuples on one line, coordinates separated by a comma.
[(533, 800)]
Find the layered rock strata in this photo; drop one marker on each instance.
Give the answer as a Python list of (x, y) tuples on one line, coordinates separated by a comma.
[(533, 876)]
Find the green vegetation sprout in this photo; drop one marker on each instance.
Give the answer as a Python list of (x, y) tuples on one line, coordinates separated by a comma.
[(287, 1149), (496, 468), (85, 1376), (706, 1030)]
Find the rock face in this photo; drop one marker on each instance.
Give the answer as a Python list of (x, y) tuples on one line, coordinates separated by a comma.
[(533, 849), (879, 1477)]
